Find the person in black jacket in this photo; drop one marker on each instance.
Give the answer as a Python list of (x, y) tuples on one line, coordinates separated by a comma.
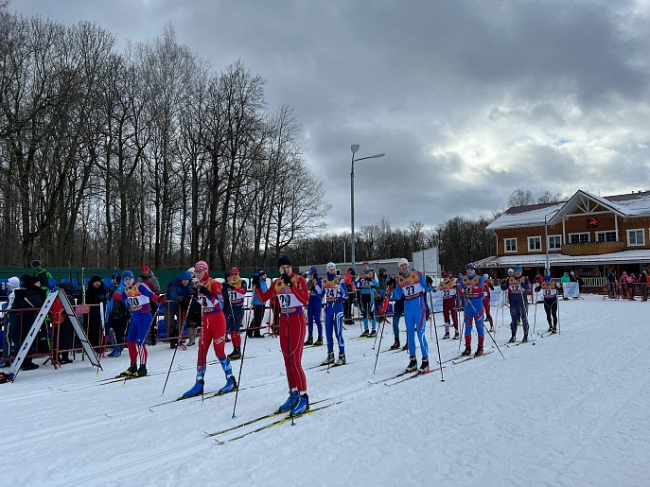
[(95, 296), (29, 296)]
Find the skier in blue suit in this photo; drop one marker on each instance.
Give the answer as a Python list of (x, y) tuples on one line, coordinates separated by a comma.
[(314, 308), (412, 285), (335, 292)]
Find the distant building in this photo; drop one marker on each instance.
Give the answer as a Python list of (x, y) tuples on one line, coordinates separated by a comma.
[(588, 234)]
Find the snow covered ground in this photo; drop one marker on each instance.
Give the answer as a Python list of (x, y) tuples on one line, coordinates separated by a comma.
[(570, 410)]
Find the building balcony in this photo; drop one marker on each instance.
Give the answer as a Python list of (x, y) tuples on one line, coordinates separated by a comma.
[(592, 248)]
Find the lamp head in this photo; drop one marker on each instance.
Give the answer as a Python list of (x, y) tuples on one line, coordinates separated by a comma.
[(354, 148)]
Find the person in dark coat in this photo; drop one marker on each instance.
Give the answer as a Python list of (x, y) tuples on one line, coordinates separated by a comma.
[(30, 296), (96, 297)]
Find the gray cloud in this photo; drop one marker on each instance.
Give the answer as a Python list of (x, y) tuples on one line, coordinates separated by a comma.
[(469, 99)]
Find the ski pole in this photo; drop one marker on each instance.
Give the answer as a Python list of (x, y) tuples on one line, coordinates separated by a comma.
[(535, 317), (174, 354), (558, 316), (289, 374), (241, 367), (435, 329), (383, 324)]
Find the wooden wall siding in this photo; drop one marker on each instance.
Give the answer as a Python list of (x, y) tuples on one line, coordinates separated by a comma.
[(574, 224)]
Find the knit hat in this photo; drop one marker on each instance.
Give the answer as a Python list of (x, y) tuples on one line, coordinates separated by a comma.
[(313, 270), (29, 281), (547, 277), (261, 272), (127, 275), (201, 266), (518, 268), (402, 261), (13, 282), (185, 276), (234, 271), (284, 260), (471, 265), (146, 268), (331, 266)]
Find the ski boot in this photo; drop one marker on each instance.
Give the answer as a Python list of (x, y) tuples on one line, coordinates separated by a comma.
[(236, 354), (513, 339), (405, 348), (132, 371), (413, 365), (373, 334), (525, 339), (302, 406), (64, 358), (550, 329), (395, 346), (309, 341), (340, 361), (142, 370), (467, 352), (553, 330), (424, 366), (231, 385), (290, 403), (365, 333), (29, 365), (456, 335), (194, 391), (319, 342), (329, 360), (479, 352), (446, 335)]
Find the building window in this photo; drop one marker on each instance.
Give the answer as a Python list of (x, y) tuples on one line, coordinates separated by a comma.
[(606, 236), (534, 244), (635, 237), (579, 238), (510, 244), (554, 242)]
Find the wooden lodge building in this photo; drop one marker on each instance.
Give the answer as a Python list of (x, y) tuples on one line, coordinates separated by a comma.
[(588, 234)]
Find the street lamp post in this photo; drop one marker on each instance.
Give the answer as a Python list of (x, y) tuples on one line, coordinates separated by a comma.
[(354, 148)]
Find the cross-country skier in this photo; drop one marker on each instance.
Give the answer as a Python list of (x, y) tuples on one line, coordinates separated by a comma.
[(138, 296), (315, 308), (448, 289), (549, 291), (472, 287), (335, 292), (213, 330), (291, 293), (365, 284), (487, 287), (236, 290), (412, 285), (518, 287)]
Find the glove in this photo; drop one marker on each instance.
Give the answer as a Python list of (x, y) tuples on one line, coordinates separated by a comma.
[(204, 290), (286, 279), (338, 288)]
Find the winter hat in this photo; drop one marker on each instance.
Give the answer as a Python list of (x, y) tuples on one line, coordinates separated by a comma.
[(331, 266), (13, 282), (547, 277), (518, 268), (402, 261), (234, 271), (185, 276), (127, 275), (145, 268), (445, 274), (261, 272), (351, 271), (201, 266), (313, 270), (511, 271), (284, 260), (471, 265), (485, 276), (29, 281)]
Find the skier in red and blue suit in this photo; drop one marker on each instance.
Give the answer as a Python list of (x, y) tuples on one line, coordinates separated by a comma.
[(335, 292), (236, 289), (412, 285), (518, 287), (473, 285), (138, 296), (213, 330)]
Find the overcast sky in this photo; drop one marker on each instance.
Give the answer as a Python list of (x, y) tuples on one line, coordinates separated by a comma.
[(469, 100)]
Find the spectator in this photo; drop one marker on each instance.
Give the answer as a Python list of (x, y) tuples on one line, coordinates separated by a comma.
[(96, 297), (151, 281), (29, 296), (612, 284), (565, 278), (351, 288), (12, 284), (178, 297), (258, 307), (631, 280), (623, 284), (643, 284)]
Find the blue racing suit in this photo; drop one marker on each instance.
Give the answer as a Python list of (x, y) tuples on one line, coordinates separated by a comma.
[(413, 286), (315, 306), (365, 284), (472, 286), (335, 292), (517, 287)]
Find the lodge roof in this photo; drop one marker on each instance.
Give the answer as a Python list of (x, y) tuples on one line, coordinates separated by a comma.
[(625, 205)]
